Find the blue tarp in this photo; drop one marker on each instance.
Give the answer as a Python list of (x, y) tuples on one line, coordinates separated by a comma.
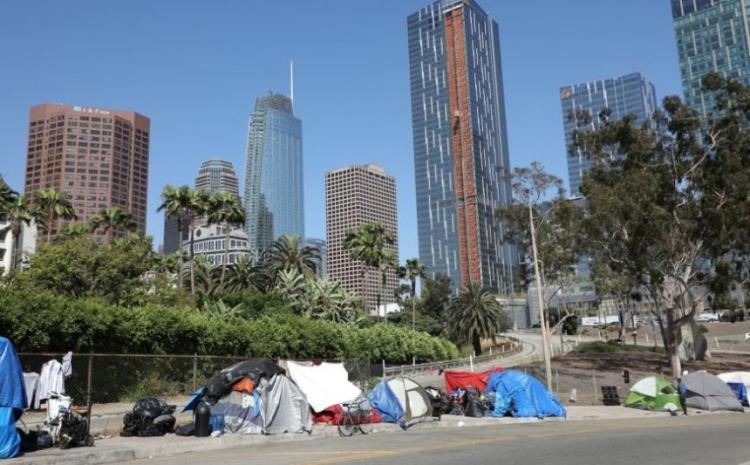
[(740, 391), (195, 399), (523, 396), (10, 441), (384, 400), (12, 390)]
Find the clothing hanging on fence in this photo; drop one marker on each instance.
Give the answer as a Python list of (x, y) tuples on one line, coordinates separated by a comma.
[(30, 381), (52, 378)]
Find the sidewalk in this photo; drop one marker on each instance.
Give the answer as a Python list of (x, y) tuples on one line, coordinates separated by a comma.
[(117, 449)]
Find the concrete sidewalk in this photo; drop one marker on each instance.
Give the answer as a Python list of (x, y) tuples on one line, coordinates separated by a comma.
[(117, 449)]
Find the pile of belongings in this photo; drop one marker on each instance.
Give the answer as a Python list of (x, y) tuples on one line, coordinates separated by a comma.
[(521, 395), (12, 399), (254, 397), (707, 392), (654, 393), (739, 382), (326, 386), (402, 401), (150, 417)]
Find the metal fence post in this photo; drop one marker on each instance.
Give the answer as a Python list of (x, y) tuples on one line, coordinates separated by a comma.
[(383, 360), (88, 391), (195, 371), (557, 380), (596, 393), (471, 362)]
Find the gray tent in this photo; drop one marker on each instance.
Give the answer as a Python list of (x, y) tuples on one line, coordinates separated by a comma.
[(284, 407), (707, 392)]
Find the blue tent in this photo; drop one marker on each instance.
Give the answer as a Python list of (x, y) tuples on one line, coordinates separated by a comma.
[(740, 391), (384, 400), (12, 399), (523, 396)]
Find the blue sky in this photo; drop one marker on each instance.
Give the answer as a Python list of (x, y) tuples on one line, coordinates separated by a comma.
[(195, 68)]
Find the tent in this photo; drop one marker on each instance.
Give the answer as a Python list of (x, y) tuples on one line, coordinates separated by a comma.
[(12, 399), (654, 393), (221, 382), (401, 401), (707, 392), (739, 381), (324, 385), (467, 379), (522, 395), (275, 406)]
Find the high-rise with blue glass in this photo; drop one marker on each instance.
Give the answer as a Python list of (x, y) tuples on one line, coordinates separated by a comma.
[(274, 204), (631, 94), (460, 144), (712, 35)]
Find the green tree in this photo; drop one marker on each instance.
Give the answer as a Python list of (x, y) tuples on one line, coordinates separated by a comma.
[(225, 208), (476, 314), (198, 207), (666, 193), (75, 230), (111, 219), (369, 244), (414, 269), (56, 206), (436, 297), (18, 211), (286, 253), (176, 204)]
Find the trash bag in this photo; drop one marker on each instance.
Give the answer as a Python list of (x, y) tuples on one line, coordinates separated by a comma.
[(150, 417), (185, 430), (473, 406), (441, 404)]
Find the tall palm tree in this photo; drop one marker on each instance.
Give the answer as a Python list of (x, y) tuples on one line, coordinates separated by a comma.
[(17, 212), (76, 230), (7, 196), (197, 207), (56, 205), (368, 243), (176, 203), (225, 208), (109, 219), (475, 314), (414, 269), (286, 253), (242, 275)]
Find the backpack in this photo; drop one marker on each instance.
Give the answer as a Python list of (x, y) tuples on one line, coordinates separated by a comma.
[(150, 417)]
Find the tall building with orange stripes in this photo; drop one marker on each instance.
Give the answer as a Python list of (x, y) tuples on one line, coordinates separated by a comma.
[(460, 144)]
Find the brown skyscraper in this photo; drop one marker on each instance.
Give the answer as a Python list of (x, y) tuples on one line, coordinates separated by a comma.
[(99, 157), (359, 195)]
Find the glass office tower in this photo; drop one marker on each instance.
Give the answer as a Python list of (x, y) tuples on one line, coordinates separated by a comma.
[(273, 198), (629, 94), (460, 144), (712, 35)]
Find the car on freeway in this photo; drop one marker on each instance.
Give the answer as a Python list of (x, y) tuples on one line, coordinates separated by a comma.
[(707, 317)]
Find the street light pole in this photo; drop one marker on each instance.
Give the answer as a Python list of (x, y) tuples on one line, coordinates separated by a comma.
[(540, 297)]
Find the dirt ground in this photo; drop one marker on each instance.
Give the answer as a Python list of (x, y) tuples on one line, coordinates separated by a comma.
[(588, 372)]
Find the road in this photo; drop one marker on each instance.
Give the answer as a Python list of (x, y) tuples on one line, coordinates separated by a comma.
[(694, 440)]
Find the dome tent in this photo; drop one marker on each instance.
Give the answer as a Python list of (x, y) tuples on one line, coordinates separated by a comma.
[(654, 393), (400, 400), (707, 392)]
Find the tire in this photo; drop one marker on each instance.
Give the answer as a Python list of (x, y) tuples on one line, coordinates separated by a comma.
[(346, 426), (365, 424)]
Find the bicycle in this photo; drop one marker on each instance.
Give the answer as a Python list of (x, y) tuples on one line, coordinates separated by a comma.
[(355, 415)]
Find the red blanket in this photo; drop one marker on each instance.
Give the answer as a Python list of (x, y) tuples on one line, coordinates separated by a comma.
[(466, 379)]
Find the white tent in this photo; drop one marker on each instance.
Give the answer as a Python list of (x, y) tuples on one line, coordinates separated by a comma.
[(324, 385), (741, 377)]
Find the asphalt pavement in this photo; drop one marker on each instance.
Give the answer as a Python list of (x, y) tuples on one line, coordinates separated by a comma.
[(693, 440)]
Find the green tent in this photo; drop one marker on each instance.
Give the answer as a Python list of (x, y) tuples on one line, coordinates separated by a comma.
[(654, 393)]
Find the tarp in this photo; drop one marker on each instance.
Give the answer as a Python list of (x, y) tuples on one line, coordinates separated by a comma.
[(12, 388), (242, 413), (324, 385), (10, 441), (221, 382), (467, 379), (284, 407), (654, 393), (740, 390), (384, 401), (707, 392), (736, 377), (523, 395)]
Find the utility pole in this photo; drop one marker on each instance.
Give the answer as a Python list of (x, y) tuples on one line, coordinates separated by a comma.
[(540, 296)]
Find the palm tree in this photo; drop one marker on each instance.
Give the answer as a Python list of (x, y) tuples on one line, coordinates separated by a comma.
[(109, 219), (176, 203), (56, 205), (414, 269), (367, 244), (226, 208), (242, 274), (7, 196), (476, 314), (76, 230), (197, 207), (286, 253), (19, 211)]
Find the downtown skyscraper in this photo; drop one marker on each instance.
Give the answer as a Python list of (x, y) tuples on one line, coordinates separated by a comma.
[(631, 94), (460, 144), (273, 197), (712, 35)]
